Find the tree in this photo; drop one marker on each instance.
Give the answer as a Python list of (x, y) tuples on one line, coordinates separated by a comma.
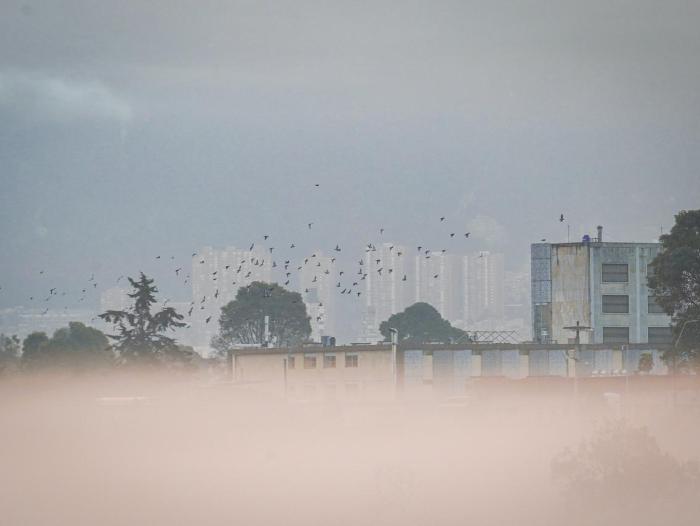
[(242, 320), (675, 282), (33, 346), (646, 363), (10, 348), (140, 334), (76, 347), (620, 468), (421, 323)]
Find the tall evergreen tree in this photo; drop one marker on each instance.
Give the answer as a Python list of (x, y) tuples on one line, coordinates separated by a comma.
[(141, 333)]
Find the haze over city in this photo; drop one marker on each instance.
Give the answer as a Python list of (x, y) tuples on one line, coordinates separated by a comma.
[(306, 262), (131, 131)]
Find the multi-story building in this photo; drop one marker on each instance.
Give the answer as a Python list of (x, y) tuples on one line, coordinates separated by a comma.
[(317, 283), (438, 278), (484, 277), (115, 298), (387, 280), (216, 277), (598, 285)]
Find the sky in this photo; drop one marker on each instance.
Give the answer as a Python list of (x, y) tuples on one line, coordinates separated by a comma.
[(134, 129)]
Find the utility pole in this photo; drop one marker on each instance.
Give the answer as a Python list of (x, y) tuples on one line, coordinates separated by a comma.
[(394, 345), (578, 328), (266, 331)]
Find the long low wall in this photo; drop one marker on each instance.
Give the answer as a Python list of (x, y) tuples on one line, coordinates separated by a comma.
[(360, 367)]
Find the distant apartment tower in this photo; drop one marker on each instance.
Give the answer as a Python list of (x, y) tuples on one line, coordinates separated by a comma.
[(438, 279), (483, 283), (317, 284), (597, 284), (386, 291), (115, 298), (216, 277)]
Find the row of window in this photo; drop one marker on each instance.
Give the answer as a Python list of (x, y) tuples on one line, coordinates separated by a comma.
[(622, 335), (620, 304), (619, 272), (329, 361)]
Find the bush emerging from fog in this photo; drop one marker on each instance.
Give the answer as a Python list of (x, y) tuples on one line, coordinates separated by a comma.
[(623, 467)]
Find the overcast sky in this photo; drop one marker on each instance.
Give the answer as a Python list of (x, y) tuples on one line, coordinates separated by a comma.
[(131, 129)]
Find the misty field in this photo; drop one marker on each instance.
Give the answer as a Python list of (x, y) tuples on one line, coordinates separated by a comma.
[(113, 450)]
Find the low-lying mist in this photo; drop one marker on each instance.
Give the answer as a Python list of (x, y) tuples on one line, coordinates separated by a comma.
[(147, 449)]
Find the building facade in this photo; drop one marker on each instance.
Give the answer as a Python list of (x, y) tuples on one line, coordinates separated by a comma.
[(598, 285), (387, 276), (317, 284), (216, 277)]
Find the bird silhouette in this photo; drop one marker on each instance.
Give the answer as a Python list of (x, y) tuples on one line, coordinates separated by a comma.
[(207, 320), (467, 234), (442, 219), (561, 218)]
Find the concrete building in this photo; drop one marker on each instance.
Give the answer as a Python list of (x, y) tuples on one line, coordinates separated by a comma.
[(360, 370), (115, 298), (317, 284), (216, 277), (597, 284), (483, 284), (438, 279), (386, 291)]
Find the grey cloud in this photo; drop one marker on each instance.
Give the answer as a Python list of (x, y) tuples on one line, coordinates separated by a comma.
[(39, 98)]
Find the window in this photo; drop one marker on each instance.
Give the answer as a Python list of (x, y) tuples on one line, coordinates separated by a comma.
[(350, 360), (616, 334), (329, 361), (654, 307), (616, 304), (615, 273), (660, 335), (309, 361), (290, 362)]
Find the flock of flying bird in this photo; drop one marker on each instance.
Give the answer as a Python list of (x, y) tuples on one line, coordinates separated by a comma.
[(242, 272)]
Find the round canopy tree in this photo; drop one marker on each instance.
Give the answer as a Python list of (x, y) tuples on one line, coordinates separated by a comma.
[(675, 282), (242, 320), (421, 323)]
